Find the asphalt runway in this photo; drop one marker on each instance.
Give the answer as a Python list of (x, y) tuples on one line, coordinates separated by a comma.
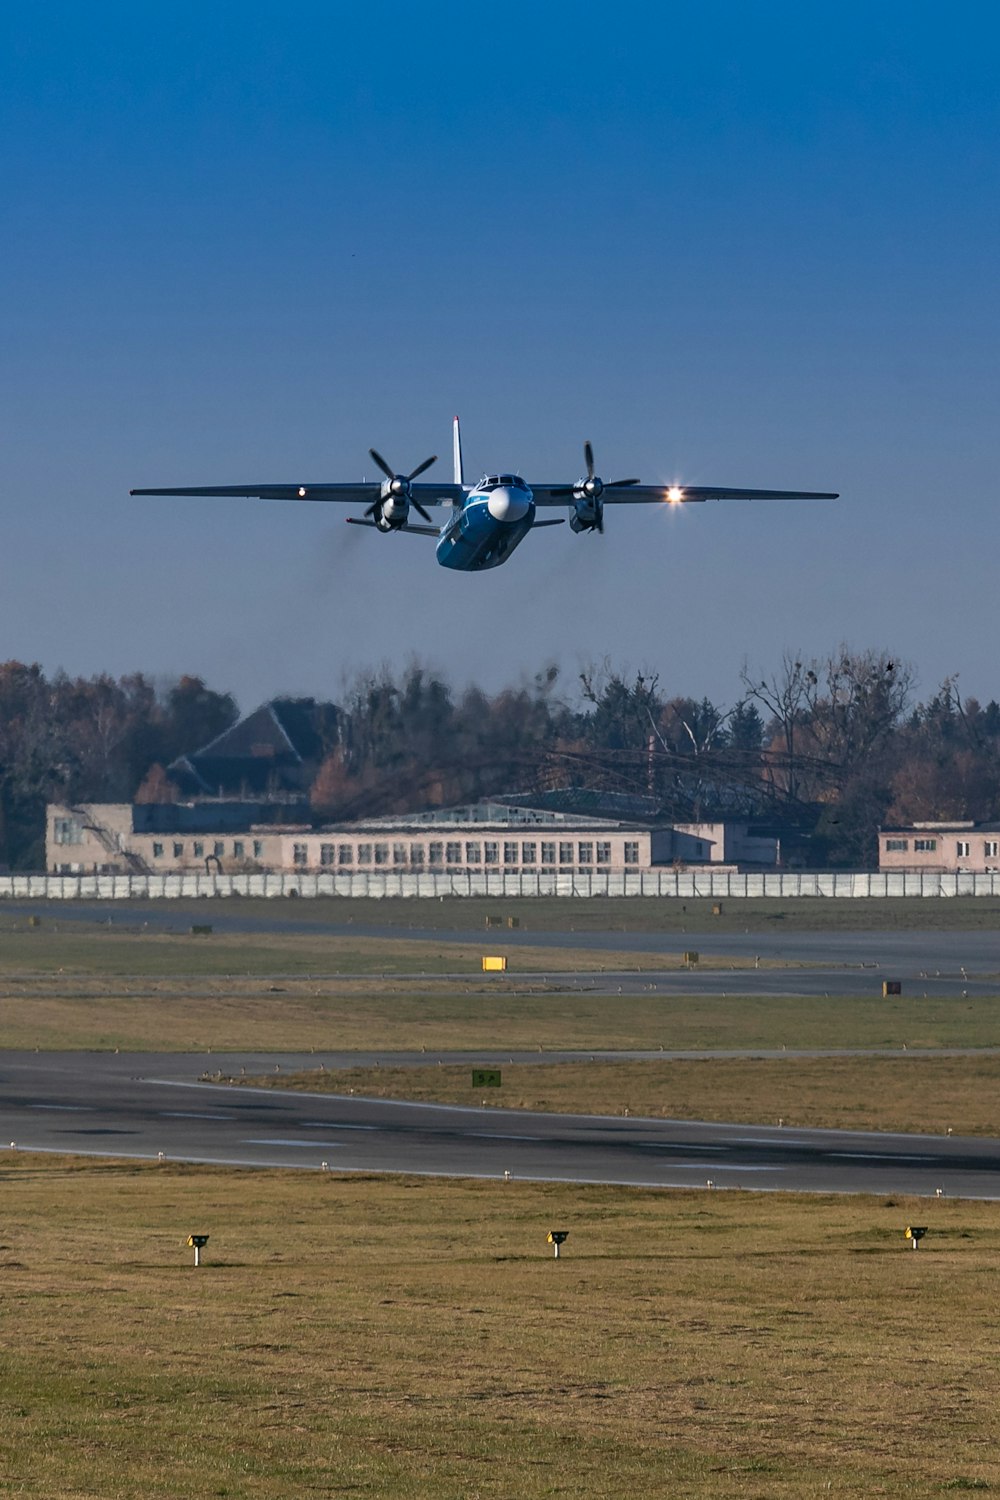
[(142, 1105)]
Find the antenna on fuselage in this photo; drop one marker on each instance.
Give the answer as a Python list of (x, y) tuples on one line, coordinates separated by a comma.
[(458, 453)]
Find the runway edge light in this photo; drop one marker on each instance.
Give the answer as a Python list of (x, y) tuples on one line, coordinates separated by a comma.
[(197, 1242)]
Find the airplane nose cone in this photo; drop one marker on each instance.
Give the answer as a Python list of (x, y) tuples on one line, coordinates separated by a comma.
[(508, 505)]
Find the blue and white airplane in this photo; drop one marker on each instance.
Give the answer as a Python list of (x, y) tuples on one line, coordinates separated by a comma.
[(490, 518)]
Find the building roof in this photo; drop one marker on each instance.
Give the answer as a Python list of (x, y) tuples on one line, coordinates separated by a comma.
[(523, 810), (274, 750)]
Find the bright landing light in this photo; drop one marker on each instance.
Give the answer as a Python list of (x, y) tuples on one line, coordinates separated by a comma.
[(675, 494)]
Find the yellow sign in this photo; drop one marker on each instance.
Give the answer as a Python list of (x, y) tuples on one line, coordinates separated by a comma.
[(494, 964)]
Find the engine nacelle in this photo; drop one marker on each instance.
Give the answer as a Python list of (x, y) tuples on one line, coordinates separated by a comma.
[(393, 509), (588, 513)]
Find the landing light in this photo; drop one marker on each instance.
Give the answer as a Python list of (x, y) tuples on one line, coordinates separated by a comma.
[(302, 492), (675, 494)]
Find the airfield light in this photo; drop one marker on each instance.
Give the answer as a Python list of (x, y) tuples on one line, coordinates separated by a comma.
[(197, 1242), (556, 1237)]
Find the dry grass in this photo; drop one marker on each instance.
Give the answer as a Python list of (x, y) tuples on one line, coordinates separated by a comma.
[(294, 1014), (910, 1093), (350, 1337)]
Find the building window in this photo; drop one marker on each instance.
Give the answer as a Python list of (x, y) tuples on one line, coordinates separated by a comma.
[(399, 854), (345, 854), (963, 848), (529, 854), (436, 854), (417, 856), (258, 848), (603, 853), (453, 853), (631, 852), (178, 851), (565, 854), (239, 848), (991, 848), (548, 854), (896, 846), (326, 854), (924, 846), (585, 854), (473, 854), (218, 848), (67, 831), (157, 851), (491, 853), (381, 854), (300, 854), (199, 849), (364, 854), (510, 853)]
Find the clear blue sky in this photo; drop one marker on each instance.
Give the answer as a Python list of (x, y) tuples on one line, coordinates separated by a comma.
[(730, 243)]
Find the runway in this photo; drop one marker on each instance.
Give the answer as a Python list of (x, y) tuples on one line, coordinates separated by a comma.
[(142, 1105)]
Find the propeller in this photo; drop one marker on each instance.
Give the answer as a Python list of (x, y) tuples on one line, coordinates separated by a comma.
[(593, 487), (398, 487)]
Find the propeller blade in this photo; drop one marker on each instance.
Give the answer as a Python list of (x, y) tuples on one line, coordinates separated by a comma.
[(425, 465), (420, 510), (377, 458), (620, 484), (588, 458), (373, 507)]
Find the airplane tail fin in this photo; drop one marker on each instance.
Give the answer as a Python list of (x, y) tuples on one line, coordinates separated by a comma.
[(458, 453)]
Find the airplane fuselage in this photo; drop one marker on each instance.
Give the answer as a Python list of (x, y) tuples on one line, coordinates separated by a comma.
[(493, 519)]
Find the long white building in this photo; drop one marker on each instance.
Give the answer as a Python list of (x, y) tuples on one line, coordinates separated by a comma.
[(500, 837)]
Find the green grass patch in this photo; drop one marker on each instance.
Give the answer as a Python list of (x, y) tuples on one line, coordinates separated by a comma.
[(346, 1336), (567, 914)]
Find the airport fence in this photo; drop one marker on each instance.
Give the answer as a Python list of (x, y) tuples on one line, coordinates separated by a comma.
[(672, 884)]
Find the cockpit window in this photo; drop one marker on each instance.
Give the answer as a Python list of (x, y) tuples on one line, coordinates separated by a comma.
[(505, 481)]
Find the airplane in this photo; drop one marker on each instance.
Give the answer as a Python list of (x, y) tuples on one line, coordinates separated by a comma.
[(492, 517)]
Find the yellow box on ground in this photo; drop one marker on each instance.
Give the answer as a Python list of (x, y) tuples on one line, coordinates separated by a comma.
[(494, 964)]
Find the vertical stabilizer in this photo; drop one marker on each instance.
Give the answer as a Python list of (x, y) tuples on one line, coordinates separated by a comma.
[(459, 479)]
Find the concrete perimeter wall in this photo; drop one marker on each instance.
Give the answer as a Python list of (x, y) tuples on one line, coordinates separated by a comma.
[(680, 884)]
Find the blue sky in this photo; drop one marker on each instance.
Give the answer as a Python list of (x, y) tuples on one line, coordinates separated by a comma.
[(734, 244)]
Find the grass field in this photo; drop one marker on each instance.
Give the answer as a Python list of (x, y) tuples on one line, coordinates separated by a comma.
[(416, 1339), (171, 1014), (911, 1093)]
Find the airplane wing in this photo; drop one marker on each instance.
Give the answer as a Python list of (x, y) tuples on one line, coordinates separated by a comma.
[(348, 494), (677, 494), (411, 526)]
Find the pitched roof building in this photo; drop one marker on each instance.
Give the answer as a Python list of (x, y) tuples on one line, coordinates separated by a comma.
[(274, 752)]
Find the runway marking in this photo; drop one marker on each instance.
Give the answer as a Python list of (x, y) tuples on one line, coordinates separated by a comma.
[(672, 1146), (883, 1156), (76, 1108), (499, 1135), (699, 1166), (187, 1114), (304, 1145), (335, 1125)]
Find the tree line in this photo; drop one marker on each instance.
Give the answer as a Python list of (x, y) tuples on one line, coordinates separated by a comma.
[(833, 746)]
